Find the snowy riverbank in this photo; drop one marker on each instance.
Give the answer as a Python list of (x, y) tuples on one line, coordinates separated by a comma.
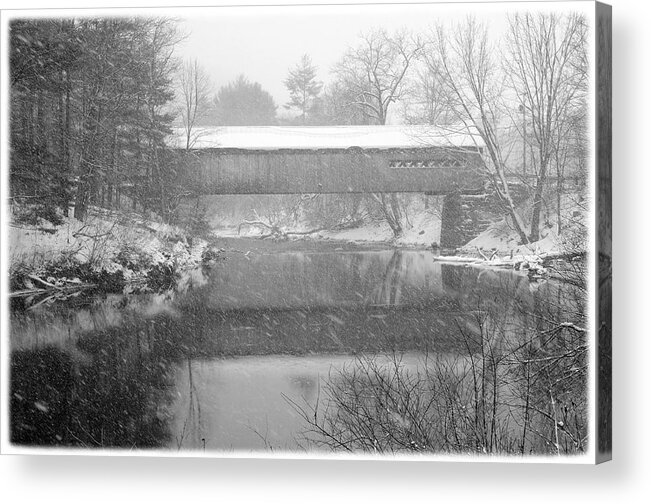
[(423, 232), (110, 251), (496, 247)]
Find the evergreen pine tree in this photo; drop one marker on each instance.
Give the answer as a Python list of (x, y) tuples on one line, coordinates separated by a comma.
[(303, 87)]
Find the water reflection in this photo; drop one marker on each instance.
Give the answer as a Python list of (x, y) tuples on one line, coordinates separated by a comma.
[(116, 395), (206, 366)]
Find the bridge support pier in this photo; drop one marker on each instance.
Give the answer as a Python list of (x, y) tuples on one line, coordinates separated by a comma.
[(451, 219), (463, 217)]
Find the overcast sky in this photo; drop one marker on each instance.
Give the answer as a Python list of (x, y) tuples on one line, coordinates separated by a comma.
[(264, 42)]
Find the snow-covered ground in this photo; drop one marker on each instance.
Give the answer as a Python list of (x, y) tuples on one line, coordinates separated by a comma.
[(421, 228), (424, 230), (502, 238), (99, 240)]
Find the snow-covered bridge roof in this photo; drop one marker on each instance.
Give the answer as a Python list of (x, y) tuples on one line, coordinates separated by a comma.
[(324, 137)]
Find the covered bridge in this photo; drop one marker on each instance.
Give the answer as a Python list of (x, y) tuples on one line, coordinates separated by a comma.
[(333, 159)]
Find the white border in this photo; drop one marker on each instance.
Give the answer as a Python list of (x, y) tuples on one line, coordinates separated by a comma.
[(587, 458)]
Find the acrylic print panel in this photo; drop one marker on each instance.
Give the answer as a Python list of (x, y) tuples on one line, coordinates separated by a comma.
[(380, 242)]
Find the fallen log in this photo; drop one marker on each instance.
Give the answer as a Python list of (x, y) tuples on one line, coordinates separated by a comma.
[(27, 292), (302, 233), (68, 289), (561, 256), (41, 281)]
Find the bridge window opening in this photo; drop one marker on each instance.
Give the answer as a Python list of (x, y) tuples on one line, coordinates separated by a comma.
[(425, 163)]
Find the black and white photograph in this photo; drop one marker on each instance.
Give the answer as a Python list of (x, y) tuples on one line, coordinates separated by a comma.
[(311, 231)]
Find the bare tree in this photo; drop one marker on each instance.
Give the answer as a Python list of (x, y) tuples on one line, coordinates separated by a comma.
[(548, 70), (195, 98), (476, 93), (545, 72), (336, 106), (430, 104), (375, 73)]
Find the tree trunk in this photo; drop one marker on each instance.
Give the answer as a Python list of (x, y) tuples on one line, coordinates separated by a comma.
[(534, 234), (62, 189), (391, 212), (559, 191), (81, 199)]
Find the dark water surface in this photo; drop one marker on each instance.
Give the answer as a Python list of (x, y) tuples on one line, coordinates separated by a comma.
[(210, 365)]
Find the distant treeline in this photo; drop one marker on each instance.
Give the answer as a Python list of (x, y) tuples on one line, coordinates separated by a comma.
[(90, 101)]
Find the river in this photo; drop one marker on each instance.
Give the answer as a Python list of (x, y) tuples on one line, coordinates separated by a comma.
[(233, 357)]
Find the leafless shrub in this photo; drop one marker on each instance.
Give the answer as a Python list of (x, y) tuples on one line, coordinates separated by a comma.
[(511, 391)]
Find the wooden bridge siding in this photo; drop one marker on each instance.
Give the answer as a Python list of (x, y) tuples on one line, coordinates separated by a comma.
[(216, 172)]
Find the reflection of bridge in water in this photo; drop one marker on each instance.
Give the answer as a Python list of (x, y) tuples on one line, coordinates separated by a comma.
[(341, 302)]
